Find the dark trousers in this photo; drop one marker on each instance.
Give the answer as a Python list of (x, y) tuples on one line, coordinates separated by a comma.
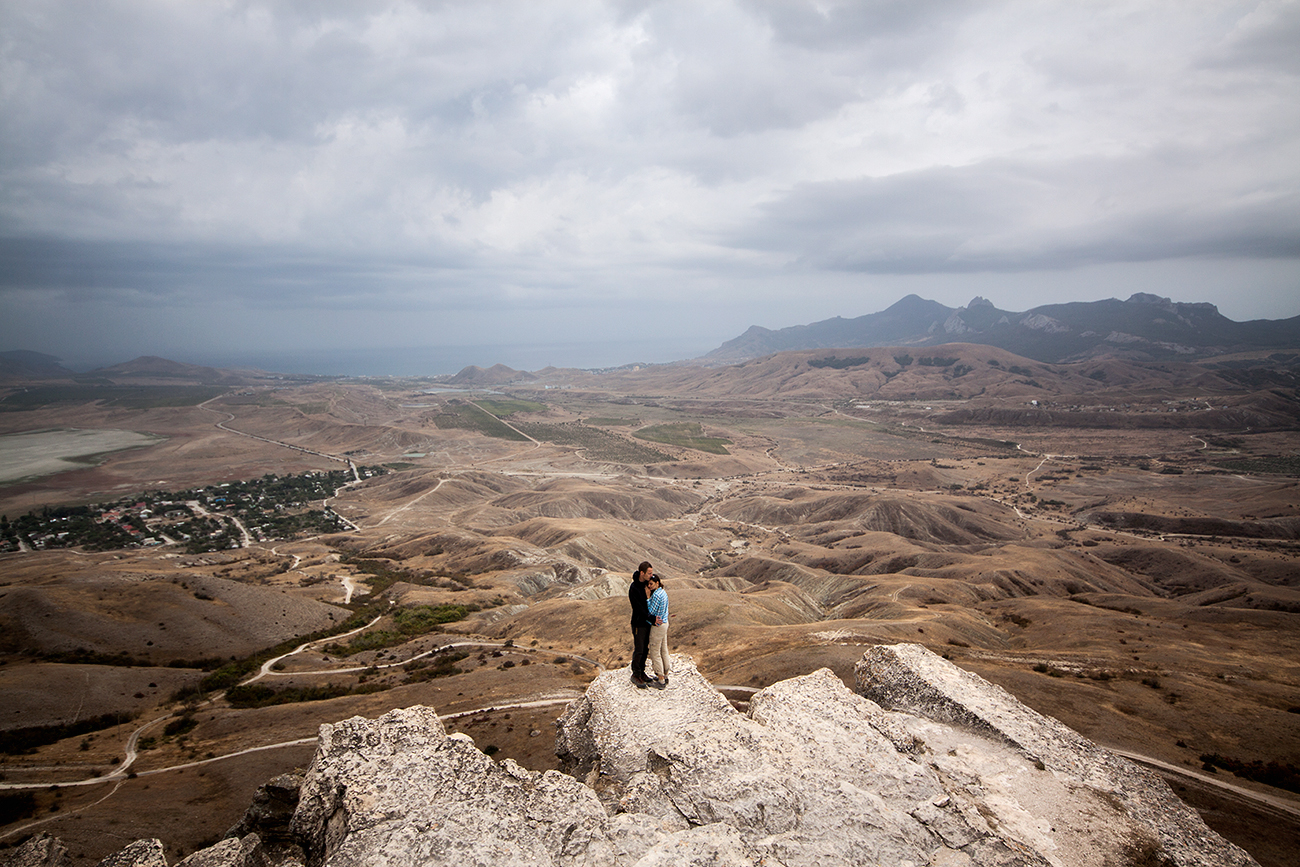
[(640, 649)]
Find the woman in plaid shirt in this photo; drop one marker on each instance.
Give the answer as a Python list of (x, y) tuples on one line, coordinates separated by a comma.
[(657, 604)]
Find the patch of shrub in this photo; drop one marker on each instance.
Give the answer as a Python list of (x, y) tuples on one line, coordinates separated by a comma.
[(444, 665), (1274, 773), (259, 695), (839, 363), (179, 726), (15, 806), (26, 740)]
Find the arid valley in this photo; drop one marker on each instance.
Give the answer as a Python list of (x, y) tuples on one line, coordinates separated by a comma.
[(1115, 543)]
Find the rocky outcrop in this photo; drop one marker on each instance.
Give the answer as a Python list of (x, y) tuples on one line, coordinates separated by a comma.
[(400, 791), (958, 773), (42, 850), (1143, 817), (269, 818), (233, 852), (925, 765), (141, 853)]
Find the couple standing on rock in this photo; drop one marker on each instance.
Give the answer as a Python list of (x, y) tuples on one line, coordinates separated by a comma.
[(649, 627)]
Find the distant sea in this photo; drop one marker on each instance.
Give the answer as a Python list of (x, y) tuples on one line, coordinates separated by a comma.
[(446, 360)]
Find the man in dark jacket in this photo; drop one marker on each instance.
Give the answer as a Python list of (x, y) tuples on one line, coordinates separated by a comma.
[(640, 623)]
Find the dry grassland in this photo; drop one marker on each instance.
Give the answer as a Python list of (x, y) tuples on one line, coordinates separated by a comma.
[(1114, 577)]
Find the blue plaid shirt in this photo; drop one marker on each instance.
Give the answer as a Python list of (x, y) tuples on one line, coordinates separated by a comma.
[(658, 605)]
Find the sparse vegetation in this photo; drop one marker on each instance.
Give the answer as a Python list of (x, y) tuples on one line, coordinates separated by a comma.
[(26, 740), (15, 806), (260, 695), (1282, 775), (502, 407), (470, 417), (119, 396), (408, 623), (839, 363), (442, 664), (816, 512), (686, 434), (596, 444), (1285, 465), (611, 421)]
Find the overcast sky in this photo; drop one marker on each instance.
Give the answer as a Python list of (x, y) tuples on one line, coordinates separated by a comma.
[(598, 183)]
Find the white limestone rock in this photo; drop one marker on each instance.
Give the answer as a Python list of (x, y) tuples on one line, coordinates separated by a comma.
[(141, 853), (1047, 785), (42, 850), (804, 779), (951, 772), (230, 852), (400, 791)]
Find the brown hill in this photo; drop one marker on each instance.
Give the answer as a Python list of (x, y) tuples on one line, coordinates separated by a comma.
[(497, 374), (155, 617), (800, 511), (161, 370), (954, 371)]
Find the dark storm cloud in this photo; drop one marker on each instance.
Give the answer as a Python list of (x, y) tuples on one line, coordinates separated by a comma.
[(500, 169)]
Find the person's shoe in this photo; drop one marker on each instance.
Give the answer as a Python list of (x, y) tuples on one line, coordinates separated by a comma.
[(659, 684), (639, 683)]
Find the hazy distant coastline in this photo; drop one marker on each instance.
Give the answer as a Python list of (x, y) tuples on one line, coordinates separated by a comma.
[(448, 360)]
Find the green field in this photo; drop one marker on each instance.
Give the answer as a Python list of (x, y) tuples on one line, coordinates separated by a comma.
[(688, 434), (596, 444), (126, 396), (509, 406), (469, 417), (1286, 465)]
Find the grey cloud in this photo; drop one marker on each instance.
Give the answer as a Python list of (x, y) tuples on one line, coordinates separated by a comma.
[(1002, 215), (895, 28), (1265, 39), (769, 66), (269, 276)]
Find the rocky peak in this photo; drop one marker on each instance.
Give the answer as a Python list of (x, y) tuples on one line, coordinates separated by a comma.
[(1148, 298), (924, 764)]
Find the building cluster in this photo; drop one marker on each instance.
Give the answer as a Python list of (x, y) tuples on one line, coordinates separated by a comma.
[(212, 518)]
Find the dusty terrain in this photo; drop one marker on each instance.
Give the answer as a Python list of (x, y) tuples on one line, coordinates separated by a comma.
[(1123, 555)]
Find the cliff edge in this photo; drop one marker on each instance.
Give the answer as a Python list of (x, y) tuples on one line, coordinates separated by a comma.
[(925, 764)]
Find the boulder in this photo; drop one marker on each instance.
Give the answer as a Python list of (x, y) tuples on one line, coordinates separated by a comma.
[(399, 791), (231, 852), (1143, 818), (272, 809), (41, 850), (805, 778), (141, 853)]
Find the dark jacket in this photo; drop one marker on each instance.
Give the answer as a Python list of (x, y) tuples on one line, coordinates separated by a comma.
[(636, 595)]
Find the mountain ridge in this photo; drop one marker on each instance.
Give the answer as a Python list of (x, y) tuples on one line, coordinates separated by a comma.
[(1144, 327)]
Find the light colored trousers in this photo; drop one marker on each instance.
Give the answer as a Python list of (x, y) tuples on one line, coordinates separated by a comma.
[(659, 650)]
